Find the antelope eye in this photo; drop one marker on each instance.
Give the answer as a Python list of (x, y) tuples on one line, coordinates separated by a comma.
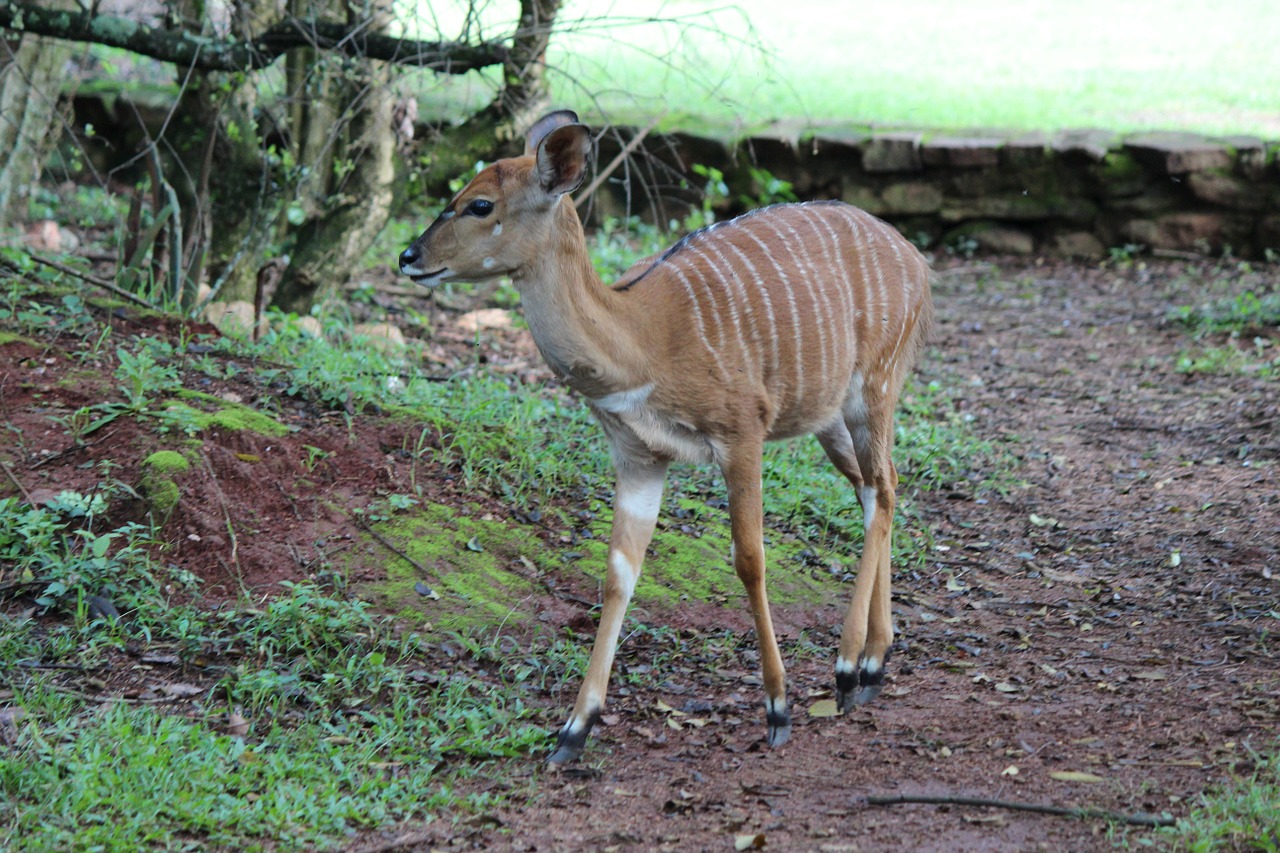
[(481, 207)]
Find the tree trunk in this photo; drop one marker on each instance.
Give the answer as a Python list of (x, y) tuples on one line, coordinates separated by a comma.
[(344, 131), (30, 76), (525, 95)]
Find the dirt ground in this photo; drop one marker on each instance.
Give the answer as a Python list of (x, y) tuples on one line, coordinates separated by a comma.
[(1100, 634)]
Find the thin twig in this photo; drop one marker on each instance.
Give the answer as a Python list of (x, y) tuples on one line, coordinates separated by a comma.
[(631, 146), (226, 512), (411, 839), (367, 528), (13, 478), (1138, 819), (91, 279)]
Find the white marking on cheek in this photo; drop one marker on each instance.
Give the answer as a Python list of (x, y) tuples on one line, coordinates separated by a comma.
[(489, 263), (497, 229)]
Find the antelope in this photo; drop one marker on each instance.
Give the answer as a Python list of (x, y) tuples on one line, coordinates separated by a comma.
[(789, 320)]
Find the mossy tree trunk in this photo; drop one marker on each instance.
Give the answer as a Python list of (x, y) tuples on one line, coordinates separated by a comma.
[(343, 130), (30, 84)]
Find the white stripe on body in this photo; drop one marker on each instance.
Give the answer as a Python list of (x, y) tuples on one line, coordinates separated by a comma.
[(701, 321)]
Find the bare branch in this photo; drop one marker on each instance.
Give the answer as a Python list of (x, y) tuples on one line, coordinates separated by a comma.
[(219, 54)]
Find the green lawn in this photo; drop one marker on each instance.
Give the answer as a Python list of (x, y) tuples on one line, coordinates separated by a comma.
[(1033, 64)]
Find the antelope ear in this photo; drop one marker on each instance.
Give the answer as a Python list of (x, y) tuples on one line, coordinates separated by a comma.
[(562, 158), (545, 125)]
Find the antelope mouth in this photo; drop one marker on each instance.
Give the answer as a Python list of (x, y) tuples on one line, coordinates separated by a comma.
[(429, 279)]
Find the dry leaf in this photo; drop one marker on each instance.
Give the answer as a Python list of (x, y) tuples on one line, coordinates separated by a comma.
[(237, 725), (177, 691), (824, 708), (1011, 770), (754, 841), (1074, 776), (1006, 687)]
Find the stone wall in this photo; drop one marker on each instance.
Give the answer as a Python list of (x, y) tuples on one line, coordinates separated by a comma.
[(1075, 193)]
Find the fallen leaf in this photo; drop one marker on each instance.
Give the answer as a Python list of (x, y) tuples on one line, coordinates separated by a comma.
[(159, 657), (237, 725), (755, 841), (1011, 770), (1006, 687), (1151, 675), (473, 544), (824, 708), (177, 691), (667, 709), (1074, 776), (1044, 521), (955, 585), (427, 592)]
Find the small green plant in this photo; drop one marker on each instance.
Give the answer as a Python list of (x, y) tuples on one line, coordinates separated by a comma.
[(1123, 256), (55, 549), (1242, 814), (1239, 314)]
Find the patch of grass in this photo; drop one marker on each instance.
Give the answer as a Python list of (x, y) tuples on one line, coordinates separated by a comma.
[(1243, 814), (347, 727), (1262, 361), (920, 63), (1239, 314), (1246, 320), (60, 550)]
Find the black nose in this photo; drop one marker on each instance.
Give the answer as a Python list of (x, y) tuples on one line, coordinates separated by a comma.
[(409, 257)]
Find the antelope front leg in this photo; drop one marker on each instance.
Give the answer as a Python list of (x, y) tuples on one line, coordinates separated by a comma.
[(639, 493), (742, 475)]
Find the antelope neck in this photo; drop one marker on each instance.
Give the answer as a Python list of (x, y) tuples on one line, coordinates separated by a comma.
[(583, 328)]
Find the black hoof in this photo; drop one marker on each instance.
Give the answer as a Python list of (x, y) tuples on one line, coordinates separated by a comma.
[(779, 726), (571, 742), (566, 753), (860, 686)]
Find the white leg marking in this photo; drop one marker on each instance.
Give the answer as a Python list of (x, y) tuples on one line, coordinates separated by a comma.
[(624, 571), (641, 501), (844, 666), (867, 495)]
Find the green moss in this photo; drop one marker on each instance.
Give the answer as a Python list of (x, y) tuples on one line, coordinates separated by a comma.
[(683, 566), (491, 586), (11, 338), (474, 564), (1117, 166), (229, 416), (158, 485), (167, 462)]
